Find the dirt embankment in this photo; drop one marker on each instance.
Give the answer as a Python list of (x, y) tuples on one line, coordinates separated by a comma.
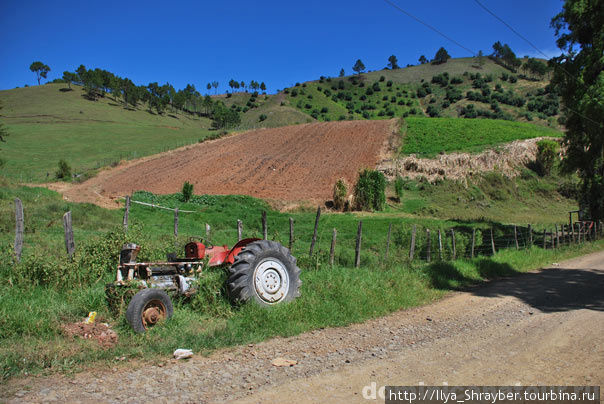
[(505, 159), (288, 164)]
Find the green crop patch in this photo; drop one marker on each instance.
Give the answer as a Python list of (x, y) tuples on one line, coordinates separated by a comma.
[(430, 136)]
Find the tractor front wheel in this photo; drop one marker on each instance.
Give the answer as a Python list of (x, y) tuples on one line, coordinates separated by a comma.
[(147, 308), (264, 272)]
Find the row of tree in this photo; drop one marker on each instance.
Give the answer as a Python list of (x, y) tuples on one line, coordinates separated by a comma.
[(98, 82), (253, 85), (441, 57)]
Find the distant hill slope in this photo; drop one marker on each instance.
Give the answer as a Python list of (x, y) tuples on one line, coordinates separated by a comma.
[(48, 123), (445, 90)]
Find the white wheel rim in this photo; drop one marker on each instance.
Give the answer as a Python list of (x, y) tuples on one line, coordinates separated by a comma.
[(271, 281)]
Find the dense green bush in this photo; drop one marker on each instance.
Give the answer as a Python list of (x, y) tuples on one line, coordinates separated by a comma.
[(370, 190), (187, 191), (64, 171), (547, 154), (433, 111)]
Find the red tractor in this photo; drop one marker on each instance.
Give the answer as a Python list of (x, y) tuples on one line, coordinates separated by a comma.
[(259, 270)]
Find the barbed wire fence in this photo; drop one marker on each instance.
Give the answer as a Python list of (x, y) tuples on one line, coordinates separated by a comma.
[(420, 243)]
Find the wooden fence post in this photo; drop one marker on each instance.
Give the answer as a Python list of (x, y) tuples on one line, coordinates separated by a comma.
[(544, 239), (579, 233), (19, 227), (563, 234), (388, 241), (126, 213), (492, 242), (239, 230), (314, 234), (453, 244), (357, 250), (208, 232), (412, 248), (440, 246), (571, 228), (530, 235), (332, 250), (557, 237), (516, 236), (428, 245), (69, 241), (291, 233), (176, 223), (264, 229), (553, 239), (473, 241)]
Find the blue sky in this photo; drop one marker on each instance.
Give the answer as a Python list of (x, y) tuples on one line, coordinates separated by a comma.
[(278, 42)]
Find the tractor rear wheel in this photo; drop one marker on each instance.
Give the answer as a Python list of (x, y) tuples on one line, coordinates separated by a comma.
[(147, 308), (264, 272)]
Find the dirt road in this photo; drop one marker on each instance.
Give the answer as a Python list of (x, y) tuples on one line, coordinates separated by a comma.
[(544, 327)]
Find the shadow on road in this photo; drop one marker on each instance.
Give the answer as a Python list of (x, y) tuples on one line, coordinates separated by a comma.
[(553, 289), (550, 290)]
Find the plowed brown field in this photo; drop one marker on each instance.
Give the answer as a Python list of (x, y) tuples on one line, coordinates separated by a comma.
[(289, 164)]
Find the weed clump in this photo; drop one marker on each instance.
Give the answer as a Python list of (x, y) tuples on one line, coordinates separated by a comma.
[(340, 193)]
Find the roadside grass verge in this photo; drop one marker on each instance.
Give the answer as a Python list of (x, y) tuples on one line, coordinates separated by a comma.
[(330, 297), (429, 136), (46, 290)]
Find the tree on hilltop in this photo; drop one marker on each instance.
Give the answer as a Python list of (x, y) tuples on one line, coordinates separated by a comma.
[(69, 77), (342, 72), (441, 56), (358, 67), (40, 69), (423, 60), (393, 62)]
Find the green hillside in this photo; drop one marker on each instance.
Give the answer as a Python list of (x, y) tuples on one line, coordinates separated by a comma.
[(48, 124), (458, 88), (263, 111)]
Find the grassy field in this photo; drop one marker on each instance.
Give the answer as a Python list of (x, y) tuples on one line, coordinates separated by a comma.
[(430, 136), (46, 290), (48, 124)]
